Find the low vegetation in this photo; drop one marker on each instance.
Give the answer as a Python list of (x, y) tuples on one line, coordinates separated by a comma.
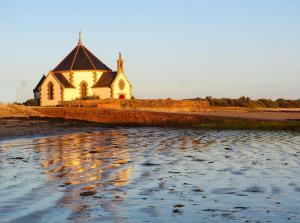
[(250, 103), (93, 97), (247, 124), (189, 104), (31, 102)]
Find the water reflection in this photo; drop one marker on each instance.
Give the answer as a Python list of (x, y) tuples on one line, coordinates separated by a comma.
[(85, 164), (151, 174)]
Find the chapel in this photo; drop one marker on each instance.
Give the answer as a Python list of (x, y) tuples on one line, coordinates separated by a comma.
[(81, 75)]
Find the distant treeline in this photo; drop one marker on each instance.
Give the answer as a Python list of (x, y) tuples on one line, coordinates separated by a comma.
[(249, 103)]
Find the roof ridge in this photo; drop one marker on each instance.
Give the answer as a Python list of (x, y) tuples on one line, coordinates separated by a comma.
[(88, 57), (75, 57)]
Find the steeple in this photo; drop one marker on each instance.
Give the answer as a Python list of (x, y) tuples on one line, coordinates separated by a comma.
[(120, 64), (80, 38)]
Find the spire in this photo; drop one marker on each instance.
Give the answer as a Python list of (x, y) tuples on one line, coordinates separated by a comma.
[(80, 38), (120, 63)]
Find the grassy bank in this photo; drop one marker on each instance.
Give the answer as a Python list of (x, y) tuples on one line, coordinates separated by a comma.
[(168, 119), (220, 119), (249, 124), (246, 102)]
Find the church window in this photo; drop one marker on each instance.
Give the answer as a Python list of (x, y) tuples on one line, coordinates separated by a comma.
[(50, 91), (121, 84)]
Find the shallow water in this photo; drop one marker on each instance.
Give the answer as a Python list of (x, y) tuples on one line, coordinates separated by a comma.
[(151, 175)]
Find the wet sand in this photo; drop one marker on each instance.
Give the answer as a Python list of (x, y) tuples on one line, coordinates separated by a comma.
[(122, 174), (24, 127)]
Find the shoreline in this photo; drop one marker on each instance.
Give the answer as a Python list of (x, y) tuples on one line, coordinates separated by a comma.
[(36, 127), (18, 121), (213, 119)]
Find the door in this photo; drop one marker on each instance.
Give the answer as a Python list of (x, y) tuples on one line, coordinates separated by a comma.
[(83, 90)]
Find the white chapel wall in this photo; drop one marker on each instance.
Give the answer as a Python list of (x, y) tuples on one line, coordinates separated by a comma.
[(56, 92), (116, 91), (78, 78), (103, 92)]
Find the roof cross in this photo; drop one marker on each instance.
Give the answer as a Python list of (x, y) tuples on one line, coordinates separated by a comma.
[(80, 38)]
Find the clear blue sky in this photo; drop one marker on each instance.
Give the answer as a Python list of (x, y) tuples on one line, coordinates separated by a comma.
[(172, 48)]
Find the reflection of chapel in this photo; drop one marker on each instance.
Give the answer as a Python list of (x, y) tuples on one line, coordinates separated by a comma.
[(80, 75)]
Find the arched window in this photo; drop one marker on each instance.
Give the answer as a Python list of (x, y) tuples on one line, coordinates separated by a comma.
[(83, 89), (50, 91)]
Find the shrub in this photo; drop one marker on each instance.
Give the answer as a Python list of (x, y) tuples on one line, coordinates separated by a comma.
[(31, 102), (248, 103), (90, 98)]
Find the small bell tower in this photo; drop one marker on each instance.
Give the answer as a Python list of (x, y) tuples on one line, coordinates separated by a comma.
[(120, 64)]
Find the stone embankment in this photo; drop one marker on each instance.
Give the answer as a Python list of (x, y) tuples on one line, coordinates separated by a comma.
[(140, 104)]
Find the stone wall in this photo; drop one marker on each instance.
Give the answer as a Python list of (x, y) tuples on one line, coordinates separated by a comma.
[(165, 105), (138, 104)]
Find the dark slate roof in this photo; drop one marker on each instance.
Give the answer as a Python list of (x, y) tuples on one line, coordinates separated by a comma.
[(36, 89), (63, 81), (80, 58), (106, 79)]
